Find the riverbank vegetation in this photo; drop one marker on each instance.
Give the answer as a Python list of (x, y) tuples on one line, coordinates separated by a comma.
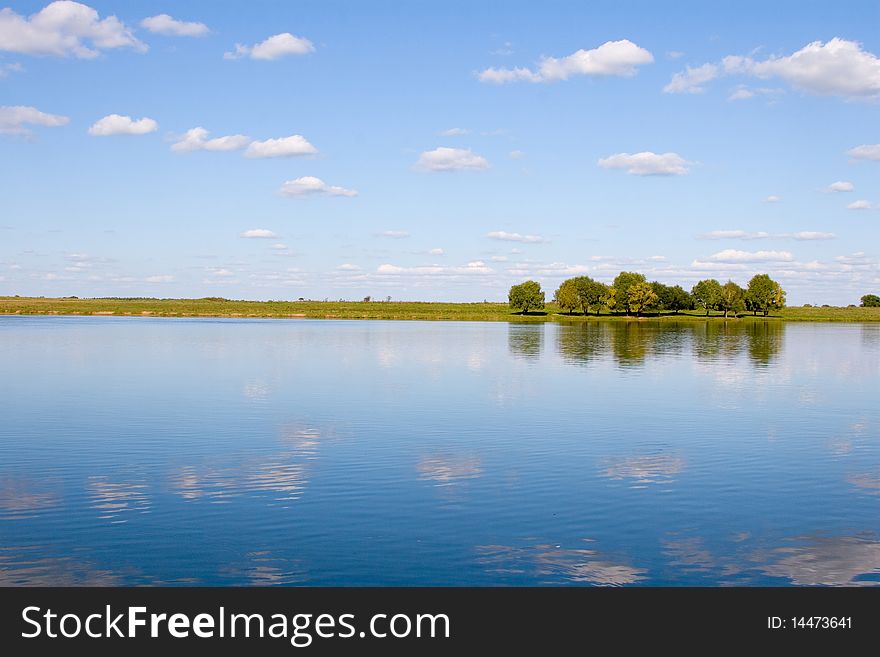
[(405, 310)]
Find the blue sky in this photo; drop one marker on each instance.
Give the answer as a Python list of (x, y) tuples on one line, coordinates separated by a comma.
[(436, 150)]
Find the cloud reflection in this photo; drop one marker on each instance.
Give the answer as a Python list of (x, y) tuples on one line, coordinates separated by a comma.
[(553, 563), (446, 469), (645, 468)]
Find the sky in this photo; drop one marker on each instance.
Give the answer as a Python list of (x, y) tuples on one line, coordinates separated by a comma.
[(437, 151)]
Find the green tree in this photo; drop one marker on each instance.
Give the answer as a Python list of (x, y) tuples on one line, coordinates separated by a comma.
[(526, 296), (590, 293), (622, 283), (663, 292), (764, 294), (707, 293), (870, 301), (679, 299), (640, 297), (566, 296), (733, 298)]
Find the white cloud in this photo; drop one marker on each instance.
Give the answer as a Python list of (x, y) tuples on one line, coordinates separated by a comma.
[(476, 267), (692, 80), (760, 235), (498, 258), (514, 237), (347, 266), (262, 233), (279, 247), (743, 92), (515, 154), (840, 186), (115, 124), (161, 278), (15, 118), (275, 47), (437, 251), (394, 234), (861, 205), (311, 186), (647, 163), (619, 58), (450, 159), (734, 256), (281, 147), (221, 273), (454, 132), (865, 152), (836, 68), (63, 29), (733, 235), (165, 24), (813, 235), (196, 139), (6, 69), (773, 199)]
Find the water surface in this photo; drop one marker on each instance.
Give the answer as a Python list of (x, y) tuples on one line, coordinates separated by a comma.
[(250, 452)]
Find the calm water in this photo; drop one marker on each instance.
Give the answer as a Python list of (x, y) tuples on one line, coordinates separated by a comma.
[(199, 451)]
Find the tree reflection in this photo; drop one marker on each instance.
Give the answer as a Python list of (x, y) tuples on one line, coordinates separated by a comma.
[(764, 341), (524, 340), (583, 342)]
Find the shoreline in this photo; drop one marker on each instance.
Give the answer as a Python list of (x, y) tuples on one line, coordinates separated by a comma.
[(388, 310)]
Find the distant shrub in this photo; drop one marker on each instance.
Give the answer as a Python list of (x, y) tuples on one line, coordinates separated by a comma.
[(808, 305)]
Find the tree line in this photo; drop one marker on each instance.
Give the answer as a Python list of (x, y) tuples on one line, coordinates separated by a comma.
[(631, 294)]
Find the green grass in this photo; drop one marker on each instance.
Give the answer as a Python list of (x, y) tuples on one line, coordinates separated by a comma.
[(375, 310)]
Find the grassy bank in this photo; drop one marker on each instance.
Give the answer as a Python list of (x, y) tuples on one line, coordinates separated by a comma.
[(371, 310)]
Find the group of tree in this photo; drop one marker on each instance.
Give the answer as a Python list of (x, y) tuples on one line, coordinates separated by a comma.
[(870, 301), (631, 293)]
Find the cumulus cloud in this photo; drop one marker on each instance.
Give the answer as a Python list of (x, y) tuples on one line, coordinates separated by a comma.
[(450, 159), (115, 124), (861, 204), (504, 236), (454, 132), (743, 92), (692, 80), (865, 152), (161, 278), (165, 24), (394, 234), (437, 251), (347, 266), (311, 186), (647, 163), (515, 154), (840, 186), (735, 256), (260, 233), (617, 58), (836, 68), (773, 199), (14, 119), (64, 29), (282, 147), (275, 47), (196, 139)]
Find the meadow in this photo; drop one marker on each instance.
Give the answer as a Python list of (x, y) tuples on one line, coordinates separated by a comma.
[(402, 310)]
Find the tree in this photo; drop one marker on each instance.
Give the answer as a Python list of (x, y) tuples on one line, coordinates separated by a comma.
[(622, 283), (640, 297), (663, 292), (679, 299), (732, 298), (526, 296), (764, 294), (590, 293), (707, 293), (870, 301), (566, 296)]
